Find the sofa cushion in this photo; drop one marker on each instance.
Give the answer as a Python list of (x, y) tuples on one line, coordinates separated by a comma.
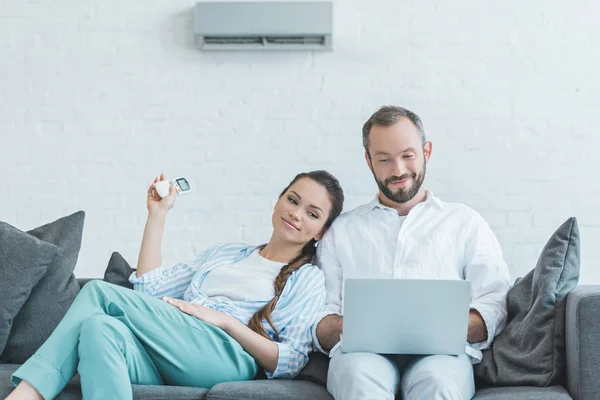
[(71, 392), (140, 392), (531, 349), (24, 260), (52, 296), (523, 392), (118, 271), (154, 392), (276, 389)]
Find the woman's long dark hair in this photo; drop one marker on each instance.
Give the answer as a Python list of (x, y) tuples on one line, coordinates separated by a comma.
[(336, 195)]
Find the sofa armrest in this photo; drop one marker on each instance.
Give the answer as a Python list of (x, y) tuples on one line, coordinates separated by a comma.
[(582, 335)]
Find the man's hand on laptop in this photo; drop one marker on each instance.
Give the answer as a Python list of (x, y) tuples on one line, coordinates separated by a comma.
[(477, 330), (329, 331)]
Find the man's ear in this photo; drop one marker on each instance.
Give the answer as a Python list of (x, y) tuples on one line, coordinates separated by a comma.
[(368, 159), (427, 150)]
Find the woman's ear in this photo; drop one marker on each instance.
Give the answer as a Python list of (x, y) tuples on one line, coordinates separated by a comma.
[(319, 235)]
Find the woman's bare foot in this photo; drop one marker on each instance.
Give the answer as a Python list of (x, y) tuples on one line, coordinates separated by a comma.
[(24, 391)]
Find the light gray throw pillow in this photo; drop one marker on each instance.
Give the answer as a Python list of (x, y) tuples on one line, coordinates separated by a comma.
[(530, 351)]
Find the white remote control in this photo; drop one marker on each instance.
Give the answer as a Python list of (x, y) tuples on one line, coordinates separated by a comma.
[(181, 185)]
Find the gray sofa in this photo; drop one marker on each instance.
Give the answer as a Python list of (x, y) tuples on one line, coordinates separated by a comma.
[(582, 381)]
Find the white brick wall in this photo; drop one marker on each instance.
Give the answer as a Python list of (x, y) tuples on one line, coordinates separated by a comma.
[(98, 96)]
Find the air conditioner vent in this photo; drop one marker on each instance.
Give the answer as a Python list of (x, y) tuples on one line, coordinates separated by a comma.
[(314, 40), (264, 25), (233, 40)]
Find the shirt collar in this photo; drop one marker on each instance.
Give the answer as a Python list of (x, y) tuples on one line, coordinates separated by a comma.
[(247, 250), (375, 203)]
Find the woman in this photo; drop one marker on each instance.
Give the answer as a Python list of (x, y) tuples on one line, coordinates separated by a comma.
[(218, 318)]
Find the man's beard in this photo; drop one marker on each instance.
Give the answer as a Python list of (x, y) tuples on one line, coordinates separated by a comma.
[(403, 194)]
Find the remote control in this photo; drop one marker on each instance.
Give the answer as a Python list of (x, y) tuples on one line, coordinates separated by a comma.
[(181, 184)]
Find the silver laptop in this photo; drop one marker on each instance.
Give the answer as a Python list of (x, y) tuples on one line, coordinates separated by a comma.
[(406, 316)]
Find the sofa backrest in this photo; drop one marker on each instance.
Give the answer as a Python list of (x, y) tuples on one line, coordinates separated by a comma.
[(83, 281)]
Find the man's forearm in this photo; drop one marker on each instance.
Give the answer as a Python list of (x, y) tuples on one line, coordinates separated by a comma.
[(329, 331), (477, 330)]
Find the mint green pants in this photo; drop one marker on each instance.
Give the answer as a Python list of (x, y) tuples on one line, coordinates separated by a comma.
[(115, 337)]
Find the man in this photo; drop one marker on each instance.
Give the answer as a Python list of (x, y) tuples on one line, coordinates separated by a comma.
[(405, 232)]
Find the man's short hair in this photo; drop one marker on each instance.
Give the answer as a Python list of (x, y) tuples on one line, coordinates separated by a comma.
[(389, 115)]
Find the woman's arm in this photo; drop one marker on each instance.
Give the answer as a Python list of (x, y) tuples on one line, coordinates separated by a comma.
[(265, 351), (150, 252), (301, 305)]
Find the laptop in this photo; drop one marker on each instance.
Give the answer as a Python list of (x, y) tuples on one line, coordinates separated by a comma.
[(406, 316)]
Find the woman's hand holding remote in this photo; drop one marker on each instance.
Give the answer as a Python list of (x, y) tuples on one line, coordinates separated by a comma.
[(156, 204)]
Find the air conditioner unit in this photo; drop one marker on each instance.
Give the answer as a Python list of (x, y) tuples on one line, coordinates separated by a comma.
[(264, 25)]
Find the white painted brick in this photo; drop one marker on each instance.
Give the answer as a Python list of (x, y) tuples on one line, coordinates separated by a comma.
[(98, 92), (495, 219), (519, 219), (11, 112)]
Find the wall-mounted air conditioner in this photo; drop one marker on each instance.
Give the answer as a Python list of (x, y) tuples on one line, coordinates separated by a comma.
[(264, 25)]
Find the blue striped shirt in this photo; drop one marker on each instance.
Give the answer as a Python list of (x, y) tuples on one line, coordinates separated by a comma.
[(302, 299)]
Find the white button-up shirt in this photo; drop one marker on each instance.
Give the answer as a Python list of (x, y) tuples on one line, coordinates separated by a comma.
[(436, 240)]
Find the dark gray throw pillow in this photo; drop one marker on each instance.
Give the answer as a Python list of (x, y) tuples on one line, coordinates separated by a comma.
[(118, 271), (24, 260), (52, 296), (316, 369), (530, 351)]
